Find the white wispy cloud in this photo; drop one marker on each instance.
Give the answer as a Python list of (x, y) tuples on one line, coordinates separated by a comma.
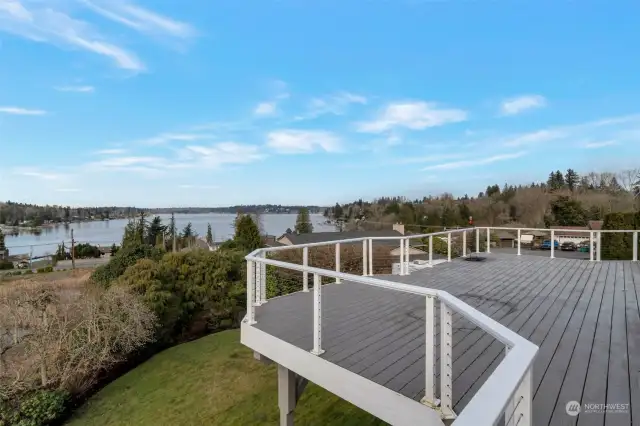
[(39, 174), (176, 137), (111, 151), (40, 22), (67, 190), (265, 109), (412, 115), (427, 158), (21, 111), (219, 154), (139, 18), (290, 141), (336, 104), (602, 144), (536, 137), (475, 162), (517, 105), (78, 89)]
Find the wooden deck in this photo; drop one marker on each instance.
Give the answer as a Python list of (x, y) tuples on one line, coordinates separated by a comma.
[(583, 315)]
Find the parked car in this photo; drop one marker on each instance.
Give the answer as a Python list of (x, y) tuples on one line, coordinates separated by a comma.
[(568, 246), (546, 245)]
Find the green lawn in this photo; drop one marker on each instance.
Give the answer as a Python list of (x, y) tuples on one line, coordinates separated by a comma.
[(211, 381)]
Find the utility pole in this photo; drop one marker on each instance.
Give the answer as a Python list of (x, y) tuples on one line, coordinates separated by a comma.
[(73, 251), (30, 257), (173, 225)]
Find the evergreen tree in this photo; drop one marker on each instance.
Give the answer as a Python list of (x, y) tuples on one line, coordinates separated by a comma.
[(209, 236), (155, 230), (247, 234), (187, 231), (303, 222), (2, 245), (337, 211), (571, 179)]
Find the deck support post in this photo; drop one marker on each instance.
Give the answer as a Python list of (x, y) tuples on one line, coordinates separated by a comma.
[(251, 310), (477, 240), (599, 246), (364, 258), (523, 413), (464, 243), (553, 244), (519, 241), (449, 247), (430, 250), (305, 275), (635, 246), (286, 395), (488, 240), (406, 253), (370, 257), (401, 257), (446, 362), (317, 316), (338, 281), (429, 356), (591, 248)]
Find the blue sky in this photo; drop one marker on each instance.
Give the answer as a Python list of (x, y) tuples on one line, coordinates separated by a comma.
[(209, 103)]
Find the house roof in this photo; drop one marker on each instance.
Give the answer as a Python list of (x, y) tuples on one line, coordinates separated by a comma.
[(596, 225), (505, 235), (571, 231), (319, 237)]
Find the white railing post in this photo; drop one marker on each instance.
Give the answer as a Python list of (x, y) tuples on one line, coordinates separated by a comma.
[(519, 241), (477, 240), (406, 253), (464, 243), (488, 240), (591, 246), (401, 257), (338, 281), (251, 310), (429, 355), (317, 316), (263, 280), (370, 257), (446, 361), (599, 246), (635, 246), (449, 247), (523, 413), (258, 281), (553, 244), (430, 249), (364, 258), (305, 263)]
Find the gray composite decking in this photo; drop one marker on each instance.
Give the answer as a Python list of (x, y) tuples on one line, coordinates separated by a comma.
[(583, 315)]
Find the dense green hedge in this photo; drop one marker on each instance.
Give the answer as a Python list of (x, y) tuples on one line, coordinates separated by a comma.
[(125, 257), (37, 408), (619, 246)]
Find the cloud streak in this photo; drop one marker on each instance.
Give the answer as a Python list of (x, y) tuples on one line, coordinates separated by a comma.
[(336, 104), (291, 141), (476, 162), (21, 111), (78, 89), (413, 116), (522, 103)]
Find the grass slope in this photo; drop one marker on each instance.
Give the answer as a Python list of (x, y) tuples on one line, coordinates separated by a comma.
[(212, 381)]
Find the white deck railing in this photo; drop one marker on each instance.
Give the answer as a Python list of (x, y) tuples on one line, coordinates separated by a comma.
[(506, 394)]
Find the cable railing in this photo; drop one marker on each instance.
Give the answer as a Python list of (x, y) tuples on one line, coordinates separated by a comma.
[(505, 396)]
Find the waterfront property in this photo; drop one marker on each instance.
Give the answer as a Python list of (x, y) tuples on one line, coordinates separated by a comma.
[(484, 339)]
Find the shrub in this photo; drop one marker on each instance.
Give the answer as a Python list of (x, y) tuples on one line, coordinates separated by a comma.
[(5, 265), (619, 245), (125, 257), (85, 251), (185, 286), (37, 408)]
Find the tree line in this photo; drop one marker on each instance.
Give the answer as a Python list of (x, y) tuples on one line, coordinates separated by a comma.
[(15, 214), (564, 199)]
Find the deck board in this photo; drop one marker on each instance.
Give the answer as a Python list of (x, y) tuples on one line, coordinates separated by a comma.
[(585, 317)]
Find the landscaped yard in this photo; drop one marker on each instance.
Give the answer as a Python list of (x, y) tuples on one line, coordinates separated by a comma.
[(212, 381)]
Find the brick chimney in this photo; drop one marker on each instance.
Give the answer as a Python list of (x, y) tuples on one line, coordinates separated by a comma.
[(398, 227)]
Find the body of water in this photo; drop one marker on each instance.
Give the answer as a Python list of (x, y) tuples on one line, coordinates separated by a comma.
[(110, 232)]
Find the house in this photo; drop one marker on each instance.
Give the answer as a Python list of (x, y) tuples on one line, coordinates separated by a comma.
[(531, 237), (576, 234), (271, 241), (319, 237), (505, 239)]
